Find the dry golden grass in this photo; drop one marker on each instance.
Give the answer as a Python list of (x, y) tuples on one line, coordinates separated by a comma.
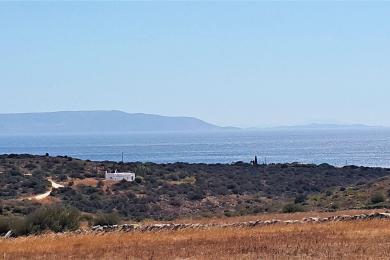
[(347, 240)]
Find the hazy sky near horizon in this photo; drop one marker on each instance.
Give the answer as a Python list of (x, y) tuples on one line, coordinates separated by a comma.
[(229, 63)]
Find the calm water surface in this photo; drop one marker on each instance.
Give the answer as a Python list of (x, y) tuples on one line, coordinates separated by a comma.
[(369, 147)]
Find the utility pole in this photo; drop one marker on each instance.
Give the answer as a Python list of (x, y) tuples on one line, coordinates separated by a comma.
[(122, 157)]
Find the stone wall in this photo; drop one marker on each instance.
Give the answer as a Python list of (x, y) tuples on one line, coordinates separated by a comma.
[(248, 224)]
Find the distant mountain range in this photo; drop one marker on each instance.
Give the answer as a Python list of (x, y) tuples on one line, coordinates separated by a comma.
[(79, 122), (101, 122)]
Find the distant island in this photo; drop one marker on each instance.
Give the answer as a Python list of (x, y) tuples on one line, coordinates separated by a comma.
[(318, 126), (119, 122), (85, 122)]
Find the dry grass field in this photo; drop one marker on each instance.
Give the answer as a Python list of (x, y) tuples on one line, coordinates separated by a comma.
[(368, 239)]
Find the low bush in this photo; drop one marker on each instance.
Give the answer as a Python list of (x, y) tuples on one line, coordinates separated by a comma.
[(16, 224), (54, 218), (138, 179), (292, 207), (377, 197), (87, 218), (106, 219), (300, 198), (4, 225), (329, 193)]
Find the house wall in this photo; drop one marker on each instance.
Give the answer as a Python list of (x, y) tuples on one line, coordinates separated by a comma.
[(120, 176)]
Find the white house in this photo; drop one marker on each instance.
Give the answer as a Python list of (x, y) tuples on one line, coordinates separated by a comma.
[(118, 176)]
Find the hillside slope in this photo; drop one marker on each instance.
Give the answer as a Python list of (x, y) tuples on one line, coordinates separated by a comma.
[(170, 191)]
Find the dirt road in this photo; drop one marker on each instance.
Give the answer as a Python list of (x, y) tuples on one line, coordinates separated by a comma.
[(54, 185)]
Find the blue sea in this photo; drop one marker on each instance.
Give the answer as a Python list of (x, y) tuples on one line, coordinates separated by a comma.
[(368, 147)]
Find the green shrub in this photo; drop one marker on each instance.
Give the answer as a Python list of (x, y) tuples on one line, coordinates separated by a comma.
[(16, 224), (300, 198), (334, 206), (106, 219), (229, 214), (291, 208), (329, 193), (87, 218), (19, 227), (5, 224), (54, 218), (377, 197), (138, 179), (142, 169)]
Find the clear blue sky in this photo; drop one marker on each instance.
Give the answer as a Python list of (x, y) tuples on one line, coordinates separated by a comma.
[(242, 64)]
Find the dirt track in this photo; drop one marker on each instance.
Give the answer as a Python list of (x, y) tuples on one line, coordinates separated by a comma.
[(47, 194)]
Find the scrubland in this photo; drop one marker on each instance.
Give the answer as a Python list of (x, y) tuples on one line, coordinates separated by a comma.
[(368, 239), (164, 192), (191, 193)]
